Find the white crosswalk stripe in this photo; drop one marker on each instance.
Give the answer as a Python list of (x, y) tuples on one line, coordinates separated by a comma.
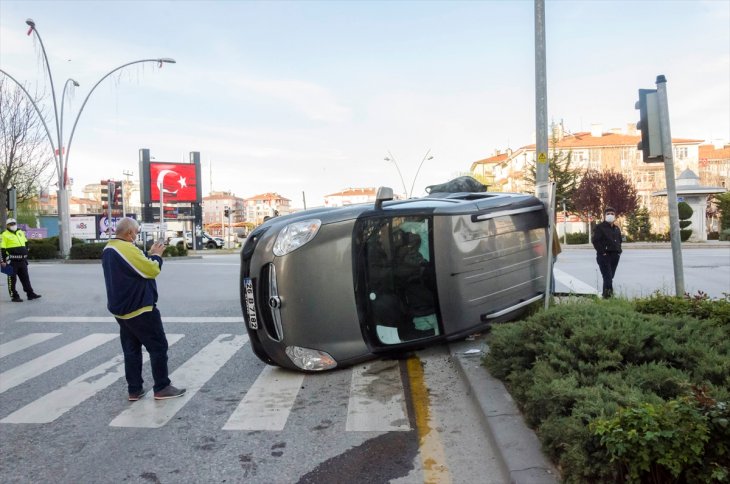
[(377, 399), (110, 319), (22, 373), (24, 342), (54, 404), (268, 402), (192, 375)]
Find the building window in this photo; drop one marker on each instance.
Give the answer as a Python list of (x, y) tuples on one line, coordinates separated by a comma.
[(680, 152)]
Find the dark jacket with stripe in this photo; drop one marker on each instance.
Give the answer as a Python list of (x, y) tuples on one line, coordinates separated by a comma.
[(130, 279)]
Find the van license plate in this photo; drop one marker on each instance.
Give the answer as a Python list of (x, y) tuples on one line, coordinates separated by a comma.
[(253, 321)]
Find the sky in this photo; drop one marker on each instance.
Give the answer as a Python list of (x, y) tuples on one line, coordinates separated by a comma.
[(308, 98)]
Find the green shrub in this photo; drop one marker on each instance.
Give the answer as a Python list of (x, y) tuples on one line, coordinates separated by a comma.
[(724, 235), (582, 365), (87, 251), (55, 242), (681, 440), (684, 210), (659, 237), (170, 251), (713, 235), (577, 238), (699, 306), (41, 249)]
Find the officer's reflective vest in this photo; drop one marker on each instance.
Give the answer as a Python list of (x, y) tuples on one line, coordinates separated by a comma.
[(13, 245)]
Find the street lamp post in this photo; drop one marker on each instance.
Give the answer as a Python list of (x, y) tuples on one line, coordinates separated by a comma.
[(425, 157), (390, 157), (61, 152)]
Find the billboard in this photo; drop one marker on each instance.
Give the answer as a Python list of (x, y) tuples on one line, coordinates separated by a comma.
[(108, 226), (83, 227), (177, 180)]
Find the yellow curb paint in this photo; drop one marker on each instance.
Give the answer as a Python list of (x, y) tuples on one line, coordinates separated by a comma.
[(433, 459)]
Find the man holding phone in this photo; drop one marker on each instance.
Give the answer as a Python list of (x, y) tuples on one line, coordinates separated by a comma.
[(131, 291)]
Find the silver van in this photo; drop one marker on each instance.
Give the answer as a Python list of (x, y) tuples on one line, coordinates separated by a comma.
[(331, 287)]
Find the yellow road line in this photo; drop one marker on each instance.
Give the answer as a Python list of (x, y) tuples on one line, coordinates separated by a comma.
[(431, 450)]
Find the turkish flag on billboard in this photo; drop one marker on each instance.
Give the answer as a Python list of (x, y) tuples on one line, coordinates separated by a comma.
[(177, 181)]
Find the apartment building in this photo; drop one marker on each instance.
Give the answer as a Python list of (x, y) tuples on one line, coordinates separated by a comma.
[(350, 196), (214, 206), (601, 150), (264, 205)]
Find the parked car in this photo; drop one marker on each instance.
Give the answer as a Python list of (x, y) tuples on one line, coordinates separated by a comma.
[(331, 287), (209, 242)]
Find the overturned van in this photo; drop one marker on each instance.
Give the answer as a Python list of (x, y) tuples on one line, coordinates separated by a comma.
[(330, 287)]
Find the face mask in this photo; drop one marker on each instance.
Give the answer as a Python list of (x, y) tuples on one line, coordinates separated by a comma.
[(12, 227), (610, 218)]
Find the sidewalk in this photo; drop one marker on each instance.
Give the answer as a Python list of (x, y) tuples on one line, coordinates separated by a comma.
[(516, 445), (710, 244)]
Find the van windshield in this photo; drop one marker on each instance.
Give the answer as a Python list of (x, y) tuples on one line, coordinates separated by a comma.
[(395, 278)]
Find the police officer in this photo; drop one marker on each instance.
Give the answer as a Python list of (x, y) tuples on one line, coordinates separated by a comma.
[(14, 251)]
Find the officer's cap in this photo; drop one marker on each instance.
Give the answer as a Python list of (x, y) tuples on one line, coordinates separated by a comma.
[(10, 221)]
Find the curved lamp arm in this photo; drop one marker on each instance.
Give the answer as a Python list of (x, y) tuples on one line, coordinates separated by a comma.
[(390, 157), (33, 29), (73, 129), (425, 157), (63, 97), (38, 111)]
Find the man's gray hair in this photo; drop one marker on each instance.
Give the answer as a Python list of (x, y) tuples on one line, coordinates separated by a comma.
[(126, 225)]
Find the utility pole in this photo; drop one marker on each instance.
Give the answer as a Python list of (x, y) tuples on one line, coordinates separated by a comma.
[(668, 155), (544, 190), (126, 173), (541, 135)]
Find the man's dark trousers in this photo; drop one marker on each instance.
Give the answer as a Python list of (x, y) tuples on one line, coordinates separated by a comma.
[(20, 271), (608, 263), (145, 329)]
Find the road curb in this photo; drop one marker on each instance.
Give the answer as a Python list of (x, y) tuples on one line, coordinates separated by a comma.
[(516, 445)]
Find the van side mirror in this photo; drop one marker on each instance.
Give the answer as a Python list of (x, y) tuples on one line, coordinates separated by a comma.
[(383, 194)]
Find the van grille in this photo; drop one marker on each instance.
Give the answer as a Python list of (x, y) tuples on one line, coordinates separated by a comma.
[(270, 303)]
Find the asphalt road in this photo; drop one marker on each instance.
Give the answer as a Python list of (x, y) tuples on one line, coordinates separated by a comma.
[(643, 271), (64, 416)]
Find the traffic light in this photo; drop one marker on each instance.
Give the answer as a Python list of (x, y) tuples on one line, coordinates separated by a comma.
[(105, 190), (650, 126), (226, 212), (116, 198)]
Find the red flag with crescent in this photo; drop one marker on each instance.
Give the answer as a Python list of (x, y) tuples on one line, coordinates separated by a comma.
[(176, 180)]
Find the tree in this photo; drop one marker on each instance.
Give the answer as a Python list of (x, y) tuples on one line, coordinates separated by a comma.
[(638, 224), (24, 150), (723, 205), (560, 171), (600, 189), (685, 214)]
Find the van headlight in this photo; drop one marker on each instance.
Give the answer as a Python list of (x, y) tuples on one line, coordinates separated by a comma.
[(295, 235), (309, 359)]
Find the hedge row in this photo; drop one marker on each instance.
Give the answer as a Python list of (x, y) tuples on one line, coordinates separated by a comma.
[(619, 392)]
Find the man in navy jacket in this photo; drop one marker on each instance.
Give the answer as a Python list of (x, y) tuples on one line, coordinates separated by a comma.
[(607, 242), (131, 297)]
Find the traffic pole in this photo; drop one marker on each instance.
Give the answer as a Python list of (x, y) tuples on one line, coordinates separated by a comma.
[(668, 156)]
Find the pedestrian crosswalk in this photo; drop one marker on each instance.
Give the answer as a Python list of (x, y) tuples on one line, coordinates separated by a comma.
[(376, 400)]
